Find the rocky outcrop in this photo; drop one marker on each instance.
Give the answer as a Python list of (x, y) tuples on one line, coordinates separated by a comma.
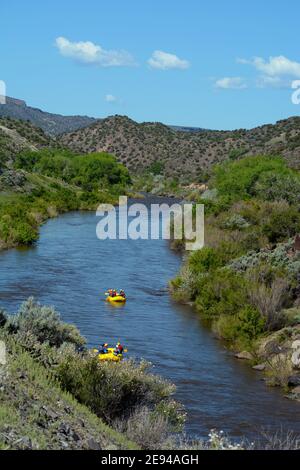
[(244, 355), (280, 353)]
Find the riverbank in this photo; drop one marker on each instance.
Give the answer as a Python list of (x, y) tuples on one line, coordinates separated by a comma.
[(71, 269), (244, 283), (42, 184), (56, 396)]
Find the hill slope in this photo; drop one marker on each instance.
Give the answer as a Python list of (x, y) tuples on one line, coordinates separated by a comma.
[(52, 124), (16, 135), (183, 153)]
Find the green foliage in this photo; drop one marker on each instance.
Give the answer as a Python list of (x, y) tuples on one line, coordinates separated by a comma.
[(283, 223), (156, 168), (236, 153), (54, 181), (243, 178), (273, 186), (88, 171), (241, 329), (220, 292), (203, 260), (112, 391), (44, 324)]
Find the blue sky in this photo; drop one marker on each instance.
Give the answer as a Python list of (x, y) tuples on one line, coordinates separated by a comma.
[(212, 64)]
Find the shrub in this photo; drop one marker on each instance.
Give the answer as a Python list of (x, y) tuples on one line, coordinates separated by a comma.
[(44, 324), (112, 391), (88, 171), (283, 223), (274, 187), (203, 260), (238, 179), (241, 329), (220, 292), (156, 168), (268, 291), (145, 428)]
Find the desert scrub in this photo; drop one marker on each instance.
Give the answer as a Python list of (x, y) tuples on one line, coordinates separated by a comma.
[(114, 391), (44, 324), (279, 369), (36, 414)]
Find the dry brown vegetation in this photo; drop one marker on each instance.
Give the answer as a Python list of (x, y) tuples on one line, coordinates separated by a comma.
[(183, 153)]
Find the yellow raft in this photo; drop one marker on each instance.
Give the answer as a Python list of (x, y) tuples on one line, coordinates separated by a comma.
[(110, 356), (116, 299)]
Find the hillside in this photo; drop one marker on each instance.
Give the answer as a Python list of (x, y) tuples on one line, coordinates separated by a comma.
[(51, 124), (17, 135), (187, 153), (36, 414)]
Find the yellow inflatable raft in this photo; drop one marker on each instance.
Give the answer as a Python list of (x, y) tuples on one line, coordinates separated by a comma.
[(110, 356), (118, 299)]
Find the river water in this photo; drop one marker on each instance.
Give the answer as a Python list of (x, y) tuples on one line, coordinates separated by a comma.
[(71, 269)]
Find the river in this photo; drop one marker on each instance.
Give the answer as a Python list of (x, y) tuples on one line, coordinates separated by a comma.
[(71, 269)]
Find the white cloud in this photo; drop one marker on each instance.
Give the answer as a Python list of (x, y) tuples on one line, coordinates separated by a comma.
[(234, 83), (111, 98), (165, 61), (275, 66), (89, 53), (266, 81)]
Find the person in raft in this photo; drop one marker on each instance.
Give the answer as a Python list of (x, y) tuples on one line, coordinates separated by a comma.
[(103, 349), (118, 349), (122, 293), (112, 292)]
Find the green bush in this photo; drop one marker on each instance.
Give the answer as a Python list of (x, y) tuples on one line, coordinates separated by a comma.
[(273, 186), (283, 223), (202, 261), (114, 391), (88, 171), (241, 329), (156, 168), (242, 178), (220, 292), (44, 324)]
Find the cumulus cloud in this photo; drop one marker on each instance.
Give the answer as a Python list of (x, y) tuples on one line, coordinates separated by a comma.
[(274, 66), (89, 53), (111, 99), (276, 72), (166, 61), (233, 83)]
